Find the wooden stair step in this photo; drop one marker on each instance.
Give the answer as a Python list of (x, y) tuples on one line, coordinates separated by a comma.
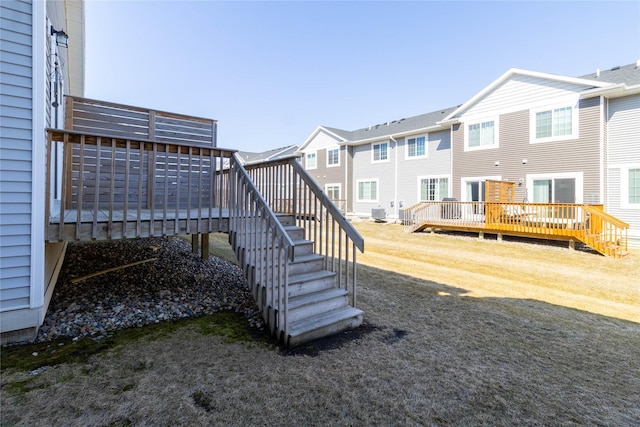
[(323, 325), (305, 283), (306, 264), (311, 304)]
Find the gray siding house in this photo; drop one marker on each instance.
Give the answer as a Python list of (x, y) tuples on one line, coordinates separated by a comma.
[(561, 139), (329, 161), (388, 166), (35, 74)]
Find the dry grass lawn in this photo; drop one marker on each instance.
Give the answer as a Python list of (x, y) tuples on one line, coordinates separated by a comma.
[(457, 332)]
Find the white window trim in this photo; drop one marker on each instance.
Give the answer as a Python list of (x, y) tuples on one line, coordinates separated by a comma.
[(334, 165), (358, 199), (624, 186), (496, 134), (306, 162), (334, 184), (465, 179), (426, 147), (373, 144), (575, 114), (420, 178), (579, 177)]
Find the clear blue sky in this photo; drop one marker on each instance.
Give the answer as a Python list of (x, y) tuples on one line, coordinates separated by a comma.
[(271, 72)]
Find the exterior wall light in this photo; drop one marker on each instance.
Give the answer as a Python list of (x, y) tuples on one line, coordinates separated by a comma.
[(62, 39)]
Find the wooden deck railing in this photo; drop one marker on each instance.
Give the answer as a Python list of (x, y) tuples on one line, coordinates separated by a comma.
[(141, 124), (288, 188), (560, 221), (114, 187), (262, 246)]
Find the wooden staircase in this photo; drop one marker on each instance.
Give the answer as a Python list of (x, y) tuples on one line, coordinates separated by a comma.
[(126, 172), (317, 307), (297, 262)]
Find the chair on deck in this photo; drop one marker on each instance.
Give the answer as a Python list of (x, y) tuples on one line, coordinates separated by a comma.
[(513, 214)]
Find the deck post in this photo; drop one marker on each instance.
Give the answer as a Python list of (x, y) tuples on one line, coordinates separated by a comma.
[(572, 244), (195, 243), (499, 237), (205, 246), (481, 235)]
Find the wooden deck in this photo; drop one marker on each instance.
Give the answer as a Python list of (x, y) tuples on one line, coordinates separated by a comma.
[(555, 221), (120, 172), (112, 224)]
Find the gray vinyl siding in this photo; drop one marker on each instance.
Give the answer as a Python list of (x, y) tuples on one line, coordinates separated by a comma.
[(623, 139), (574, 156), (15, 153), (329, 175), (383, 172), (437, 163)]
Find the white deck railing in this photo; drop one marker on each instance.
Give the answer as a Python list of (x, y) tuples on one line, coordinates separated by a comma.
[(289, 189), (262, 247)]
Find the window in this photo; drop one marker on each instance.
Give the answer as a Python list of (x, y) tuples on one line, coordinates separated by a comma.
[(380, 153), (565, 187), (554, 190), (481, 135), (416, 147), (368, 191), (473, 190), (433, 189), (312, 161), (333, 157), (333, 191), (553, 124), (634, 186)]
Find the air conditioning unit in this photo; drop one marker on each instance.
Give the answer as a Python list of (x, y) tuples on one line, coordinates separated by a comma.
[(378, 215)]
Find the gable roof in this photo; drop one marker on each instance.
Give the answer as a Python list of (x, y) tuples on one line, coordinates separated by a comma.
[(405, 126), (249, 157), (397, 128), (627, 74), (587, 83), (339, 134)]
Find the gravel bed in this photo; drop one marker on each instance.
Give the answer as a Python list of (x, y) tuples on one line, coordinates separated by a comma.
[(177, 284)]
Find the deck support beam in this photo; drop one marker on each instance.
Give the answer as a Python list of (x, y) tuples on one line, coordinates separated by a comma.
[(200, 244)]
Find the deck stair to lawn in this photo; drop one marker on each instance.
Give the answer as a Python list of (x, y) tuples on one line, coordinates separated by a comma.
[(317, 307), (120, 172), (296, 257)]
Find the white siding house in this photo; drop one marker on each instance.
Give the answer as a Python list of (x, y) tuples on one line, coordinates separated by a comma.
[(34, 76), (623, 170)]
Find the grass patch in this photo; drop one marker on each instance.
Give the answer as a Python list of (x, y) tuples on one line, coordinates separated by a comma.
[(30, 357)]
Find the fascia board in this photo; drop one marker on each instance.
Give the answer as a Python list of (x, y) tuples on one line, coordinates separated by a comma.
[(279, 152), (315, 133), (517, 71), (615, 91)]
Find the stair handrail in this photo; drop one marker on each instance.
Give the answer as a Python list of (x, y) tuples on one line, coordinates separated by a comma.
[(606, 216), (614, 230), (262, 246), (331, 207), (349, 229), (289, 188)]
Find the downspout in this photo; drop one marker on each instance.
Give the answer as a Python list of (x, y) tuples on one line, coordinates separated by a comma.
[(395, 178), (451, 164), (603, 117), (346, 178)]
